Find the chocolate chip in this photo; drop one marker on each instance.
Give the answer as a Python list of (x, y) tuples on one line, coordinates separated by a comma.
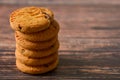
[(17, 35), (45, 65), (19, 27), (46, 15)]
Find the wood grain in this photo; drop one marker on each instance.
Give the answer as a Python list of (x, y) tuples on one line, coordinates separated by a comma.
[(80, 65), (92, 22), (61, 2)]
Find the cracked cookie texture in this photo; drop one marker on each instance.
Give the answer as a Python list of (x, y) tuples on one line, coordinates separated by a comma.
[(31, 19)]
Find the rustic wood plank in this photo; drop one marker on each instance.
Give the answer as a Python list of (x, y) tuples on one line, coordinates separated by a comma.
[(78, 44), (74, 44), (61, 2), (92, 22), (78, 65)]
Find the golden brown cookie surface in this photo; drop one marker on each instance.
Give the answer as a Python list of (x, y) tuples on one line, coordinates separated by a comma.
[(36, 39), (38, 53), (34, 45), (36, 70), (30, 19), (36, 61), (43, 35)]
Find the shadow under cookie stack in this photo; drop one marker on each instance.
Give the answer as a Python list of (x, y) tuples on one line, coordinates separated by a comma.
[(36, 34)]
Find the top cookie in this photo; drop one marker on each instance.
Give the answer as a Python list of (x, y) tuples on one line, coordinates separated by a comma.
[(31, 19)]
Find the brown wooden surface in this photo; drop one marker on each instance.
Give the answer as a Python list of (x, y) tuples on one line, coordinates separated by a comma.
[(89, 38)]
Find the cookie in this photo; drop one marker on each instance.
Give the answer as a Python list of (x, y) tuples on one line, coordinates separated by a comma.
[(38, 53), (34, 45), (43, 35), (48, 13), (36, 70), (36, 61), (30, 19)]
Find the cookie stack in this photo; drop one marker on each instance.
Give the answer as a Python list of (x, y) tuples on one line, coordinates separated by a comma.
[(36, 34)]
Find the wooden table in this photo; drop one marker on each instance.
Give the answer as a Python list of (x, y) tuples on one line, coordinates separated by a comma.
[(89, 38)]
